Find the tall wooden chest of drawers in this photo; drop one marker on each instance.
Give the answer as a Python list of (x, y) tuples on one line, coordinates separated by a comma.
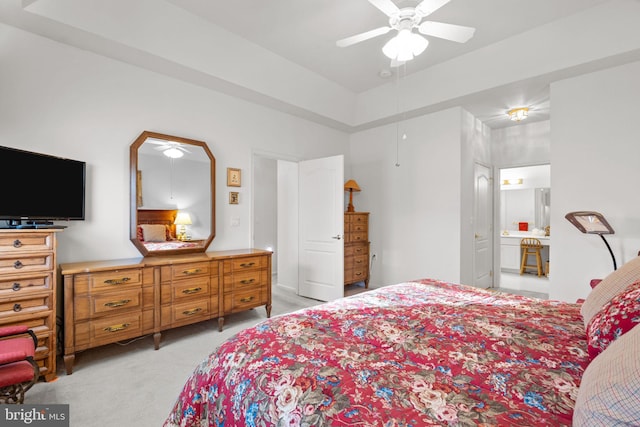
[(356, 248), (28, 288)]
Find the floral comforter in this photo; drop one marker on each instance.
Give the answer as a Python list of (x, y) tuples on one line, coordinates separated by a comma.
[(412, 354)]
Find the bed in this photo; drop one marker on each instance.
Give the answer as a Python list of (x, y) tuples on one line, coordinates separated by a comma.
[(417, 353), (157, 232)]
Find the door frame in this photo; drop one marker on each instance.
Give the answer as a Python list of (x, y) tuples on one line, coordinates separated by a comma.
[(496, 214)]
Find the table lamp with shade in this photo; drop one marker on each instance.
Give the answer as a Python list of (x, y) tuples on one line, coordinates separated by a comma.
[(351, 186), (182, 220)]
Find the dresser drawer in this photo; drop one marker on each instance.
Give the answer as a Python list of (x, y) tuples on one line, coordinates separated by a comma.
[(192, 269), (358, 237), (247, 263), (109, 280), (362, 248), (112, 302), (25, 283), (243, 280), (14, 308), (240, 301), (358, 219), (191, 288), (26, 262), (360, 261), (189, 311), (115, 328), (26, 242), (358, 227)]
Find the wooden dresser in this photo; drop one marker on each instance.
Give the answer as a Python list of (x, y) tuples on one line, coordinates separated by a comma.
[(28, 288), (356, 248), (111, 301)]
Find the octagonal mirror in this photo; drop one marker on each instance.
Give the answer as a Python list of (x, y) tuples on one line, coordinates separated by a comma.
[(172, 194)]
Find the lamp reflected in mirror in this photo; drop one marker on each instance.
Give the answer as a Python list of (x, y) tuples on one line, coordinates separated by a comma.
[(590, 222), (182, 220)]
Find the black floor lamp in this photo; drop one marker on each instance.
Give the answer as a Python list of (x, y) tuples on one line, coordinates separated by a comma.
[(593, 223)]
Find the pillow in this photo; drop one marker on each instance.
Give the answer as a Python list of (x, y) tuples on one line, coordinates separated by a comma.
[(609, 392), (610, 286), (617, 317), (154, 232)]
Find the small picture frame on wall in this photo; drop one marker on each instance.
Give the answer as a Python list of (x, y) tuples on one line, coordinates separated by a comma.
[(234, 197), (234, 177)]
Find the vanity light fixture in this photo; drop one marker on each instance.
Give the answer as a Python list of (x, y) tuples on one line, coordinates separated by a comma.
[(517, 181), (518, 114), (182, 220), (173, 153), (590, 222)]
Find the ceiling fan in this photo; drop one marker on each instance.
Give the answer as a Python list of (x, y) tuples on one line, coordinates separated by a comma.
[(407, 44), (171, 149)]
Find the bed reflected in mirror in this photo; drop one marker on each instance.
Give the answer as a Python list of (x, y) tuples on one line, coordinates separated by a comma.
[(172, 195)]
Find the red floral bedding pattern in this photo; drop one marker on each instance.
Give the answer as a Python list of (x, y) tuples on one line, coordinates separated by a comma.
[(412, 354)]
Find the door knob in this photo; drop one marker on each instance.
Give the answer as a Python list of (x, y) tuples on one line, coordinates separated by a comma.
[(338, 237)]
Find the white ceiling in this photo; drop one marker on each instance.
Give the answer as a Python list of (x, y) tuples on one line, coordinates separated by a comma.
[(302, 33)]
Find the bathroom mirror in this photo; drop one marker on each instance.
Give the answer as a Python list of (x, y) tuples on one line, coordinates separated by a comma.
[(172, 194)]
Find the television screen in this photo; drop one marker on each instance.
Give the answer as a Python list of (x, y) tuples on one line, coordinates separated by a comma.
[(38, 187)]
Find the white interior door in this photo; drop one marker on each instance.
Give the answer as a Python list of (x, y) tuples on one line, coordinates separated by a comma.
[(321, 228), (483, 217)]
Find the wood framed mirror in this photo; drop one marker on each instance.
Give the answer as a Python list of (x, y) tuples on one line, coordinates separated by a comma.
[(172, 194)]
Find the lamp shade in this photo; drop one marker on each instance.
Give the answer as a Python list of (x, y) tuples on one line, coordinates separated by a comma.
[(183, 218), (590, 222), (351, 185)]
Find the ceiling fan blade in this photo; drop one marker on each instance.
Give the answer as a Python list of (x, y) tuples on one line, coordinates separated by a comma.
[(456, 33), (363, 36), (427, 7), (386, 6)]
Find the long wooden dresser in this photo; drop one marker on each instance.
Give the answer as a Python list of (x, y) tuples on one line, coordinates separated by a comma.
[(356, 248), (28, 288), (115, 300)]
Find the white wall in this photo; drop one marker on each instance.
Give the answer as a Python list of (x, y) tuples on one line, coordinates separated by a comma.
[(595, 160), (67, 102), (265, 206), (415, 208)]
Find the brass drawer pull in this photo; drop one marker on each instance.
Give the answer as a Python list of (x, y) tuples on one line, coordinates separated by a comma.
[(247, 282), (17, 243), (247, 264), (358, 274), (117, 281), (116, 328), (17, 307), (192, 271), (191, 290), (16, 286), (359, 261), (117, 303), (18, 264), (192, 312), (246, 299)]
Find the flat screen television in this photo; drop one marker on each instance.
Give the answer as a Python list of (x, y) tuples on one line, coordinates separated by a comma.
[(38, 189)]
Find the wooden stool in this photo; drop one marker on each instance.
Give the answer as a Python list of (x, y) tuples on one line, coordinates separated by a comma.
[(531, 247)]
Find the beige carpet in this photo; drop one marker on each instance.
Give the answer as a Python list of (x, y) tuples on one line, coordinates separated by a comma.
[(134, 385)]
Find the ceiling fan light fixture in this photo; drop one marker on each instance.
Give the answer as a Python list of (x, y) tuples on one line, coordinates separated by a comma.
[(405, 46), (518, 114), (173, 153)]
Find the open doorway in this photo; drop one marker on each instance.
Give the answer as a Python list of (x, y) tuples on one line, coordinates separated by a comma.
[(524, 211)]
